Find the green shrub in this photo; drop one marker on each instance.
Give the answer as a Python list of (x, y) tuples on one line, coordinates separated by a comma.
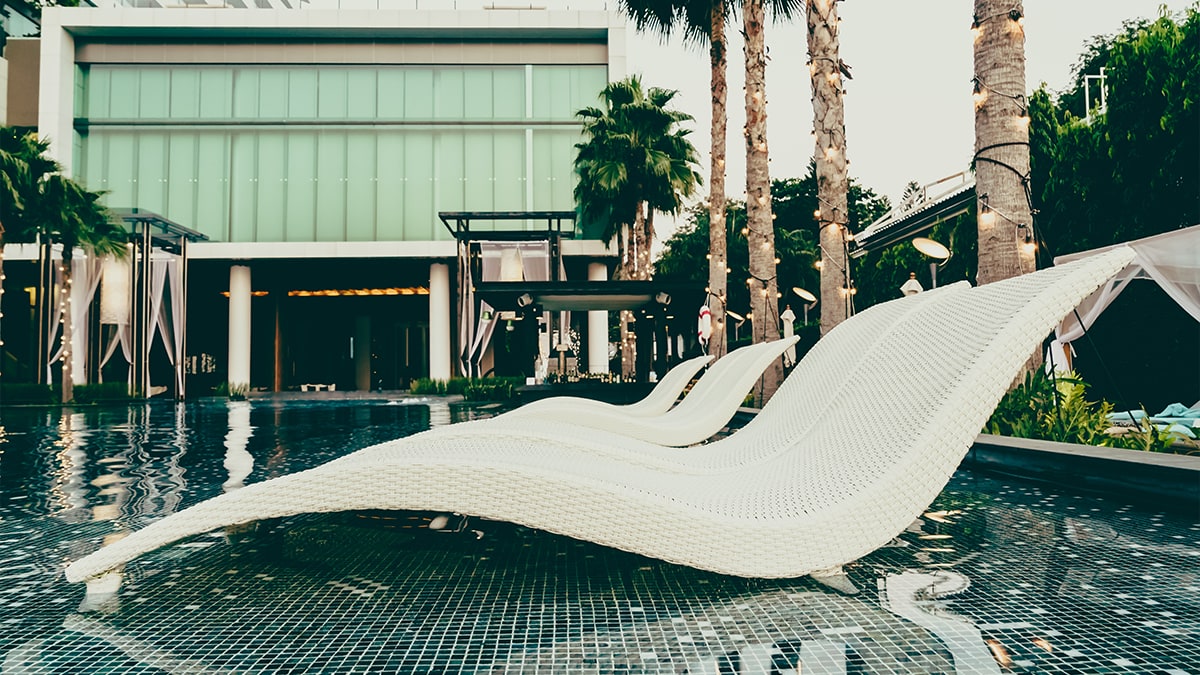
[(492, 388), (237, 392), (427, 385), (1051, 409), (103, 391), (457, 385), (27, 393)]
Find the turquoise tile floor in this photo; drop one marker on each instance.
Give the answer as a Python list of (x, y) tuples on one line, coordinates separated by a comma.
[(997, 577)]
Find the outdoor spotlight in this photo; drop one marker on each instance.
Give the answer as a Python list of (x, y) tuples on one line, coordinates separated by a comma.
[(524, 300), (663, 298)]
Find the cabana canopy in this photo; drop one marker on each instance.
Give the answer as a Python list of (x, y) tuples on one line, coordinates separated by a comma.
[(1171, 259)]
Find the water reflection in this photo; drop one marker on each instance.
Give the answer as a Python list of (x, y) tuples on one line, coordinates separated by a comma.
[(239, 463), (68, 491), (1056, 583)]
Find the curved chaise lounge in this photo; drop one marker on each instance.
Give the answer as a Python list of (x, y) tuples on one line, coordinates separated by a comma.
[(890, 434), (705, 410), (658, 401)]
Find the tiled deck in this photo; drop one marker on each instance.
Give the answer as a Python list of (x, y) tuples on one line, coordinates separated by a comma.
[(998, 577)]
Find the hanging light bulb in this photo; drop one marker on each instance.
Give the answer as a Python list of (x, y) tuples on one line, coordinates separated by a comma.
[(1023, 121), (830, 152), (976, 29)]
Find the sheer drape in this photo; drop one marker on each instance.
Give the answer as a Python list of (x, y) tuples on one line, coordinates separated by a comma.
[(1172, 260), (85, 279)]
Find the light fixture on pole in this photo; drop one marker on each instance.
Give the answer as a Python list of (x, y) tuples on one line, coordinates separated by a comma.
[(740, 320), (939, 253), (809, 299)]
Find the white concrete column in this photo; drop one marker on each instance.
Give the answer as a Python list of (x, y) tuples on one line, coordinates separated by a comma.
[(439, 321), (597, 326), (56, 88), (239, 327)]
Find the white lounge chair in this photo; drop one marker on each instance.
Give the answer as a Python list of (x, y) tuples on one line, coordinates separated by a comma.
[(657, 402), (891, 433), (705, 410)]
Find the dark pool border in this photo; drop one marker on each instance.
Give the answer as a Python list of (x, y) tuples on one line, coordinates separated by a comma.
[(1151, 478), (1169, 481)]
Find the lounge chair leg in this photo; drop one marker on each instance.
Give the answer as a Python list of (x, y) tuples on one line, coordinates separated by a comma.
[(835, 578), (102, 593)]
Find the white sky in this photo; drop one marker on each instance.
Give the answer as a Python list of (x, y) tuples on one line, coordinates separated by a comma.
[(909, 114)]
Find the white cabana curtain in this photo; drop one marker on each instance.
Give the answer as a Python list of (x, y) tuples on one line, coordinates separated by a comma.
[(499, 261), (85, 279), (175, 279), (166, 319), (1171, 259)]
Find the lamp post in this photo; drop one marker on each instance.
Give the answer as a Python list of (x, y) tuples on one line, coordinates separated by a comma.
[(809, 299), (740, 320), (935, 250)]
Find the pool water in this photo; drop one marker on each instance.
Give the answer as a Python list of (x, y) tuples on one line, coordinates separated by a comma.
[(997, 576)]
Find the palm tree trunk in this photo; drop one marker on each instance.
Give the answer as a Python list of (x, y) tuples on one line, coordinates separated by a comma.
[(764, 292), (717, 276), (630, 272), (829, 130), (68, 327), (1002, 143)]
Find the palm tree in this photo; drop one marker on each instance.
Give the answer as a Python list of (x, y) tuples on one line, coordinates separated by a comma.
[(635, 160), (67, 213), (36, 200), (23, 164), (704, 20), (1002, 174), (826, 70)]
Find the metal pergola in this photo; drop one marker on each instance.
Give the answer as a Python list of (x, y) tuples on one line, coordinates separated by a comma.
[(149, 231)]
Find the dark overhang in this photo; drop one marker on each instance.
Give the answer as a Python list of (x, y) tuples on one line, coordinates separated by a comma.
[(579, 295), (165, 234), (937, 202), (469, 224)]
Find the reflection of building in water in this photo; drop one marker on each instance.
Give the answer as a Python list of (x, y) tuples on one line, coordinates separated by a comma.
[(238, 461)]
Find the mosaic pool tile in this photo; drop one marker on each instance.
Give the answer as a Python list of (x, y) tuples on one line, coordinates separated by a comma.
[(997, 577)]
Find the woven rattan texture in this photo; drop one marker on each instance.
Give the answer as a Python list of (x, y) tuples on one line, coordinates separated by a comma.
[(927, 386)]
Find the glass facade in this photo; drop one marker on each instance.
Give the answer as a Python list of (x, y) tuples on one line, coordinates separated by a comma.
[(330, 153)]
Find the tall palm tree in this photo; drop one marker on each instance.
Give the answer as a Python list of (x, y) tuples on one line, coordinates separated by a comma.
[(37, 201), (23, 165), (634, 160), (704, 21), (67, 213), (1002, 177), (826, 70)]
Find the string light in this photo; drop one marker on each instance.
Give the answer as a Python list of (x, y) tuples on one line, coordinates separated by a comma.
[(979, 95)]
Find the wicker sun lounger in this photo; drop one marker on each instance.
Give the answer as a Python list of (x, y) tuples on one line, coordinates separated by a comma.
[(835, 490), (658, 401), (707, 408)]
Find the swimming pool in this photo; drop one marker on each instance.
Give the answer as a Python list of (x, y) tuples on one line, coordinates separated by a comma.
[(996, 577)]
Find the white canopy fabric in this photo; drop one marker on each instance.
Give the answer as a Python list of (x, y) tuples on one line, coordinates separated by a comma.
[(1171, 259)]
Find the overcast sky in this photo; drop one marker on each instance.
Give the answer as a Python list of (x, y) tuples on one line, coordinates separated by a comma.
[(909, 113)]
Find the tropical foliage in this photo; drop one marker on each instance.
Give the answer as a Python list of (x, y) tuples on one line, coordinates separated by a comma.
[(793, 203), (635, 159), (37, 202), (1058, 409), (1130, 171)]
